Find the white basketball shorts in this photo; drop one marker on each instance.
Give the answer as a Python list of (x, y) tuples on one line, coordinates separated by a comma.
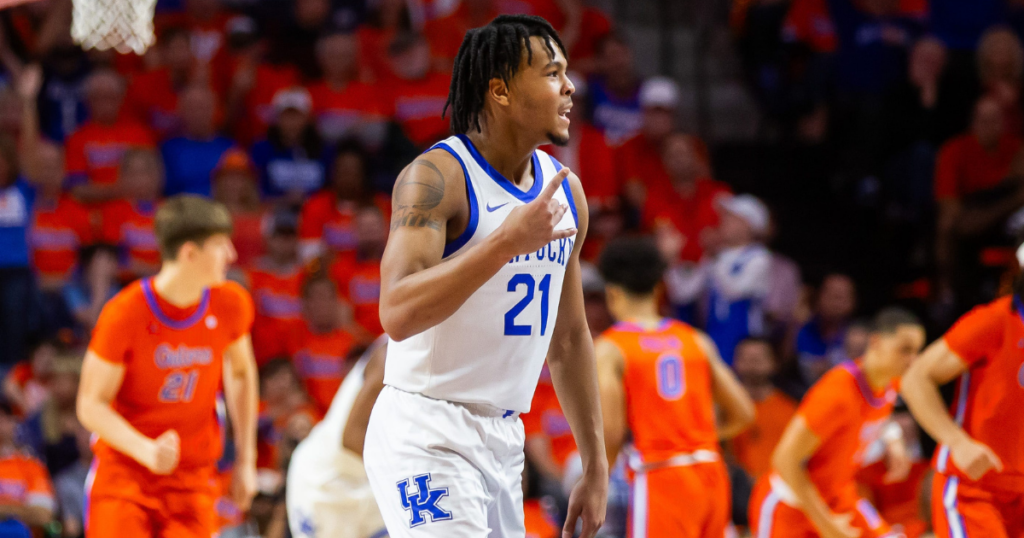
[(444, 469)]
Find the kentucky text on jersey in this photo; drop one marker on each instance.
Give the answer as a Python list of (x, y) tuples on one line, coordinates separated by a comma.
[(553, 253)]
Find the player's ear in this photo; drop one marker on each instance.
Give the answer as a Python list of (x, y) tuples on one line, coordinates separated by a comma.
[(498, 91)]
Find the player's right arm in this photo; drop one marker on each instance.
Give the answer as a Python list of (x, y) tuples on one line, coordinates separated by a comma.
[(353, 437), (610, 374), (99, 384), (417, 290), (936, 366), (730, 396), (797, 445)]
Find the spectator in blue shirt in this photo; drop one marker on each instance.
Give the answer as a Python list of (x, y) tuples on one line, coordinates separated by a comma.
[(191, 158), (291, 160), (614, 93), (820, 344), (62, 97), (16, 288)]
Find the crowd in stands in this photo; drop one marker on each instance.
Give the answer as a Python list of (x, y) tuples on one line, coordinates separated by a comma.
[(298, 116)]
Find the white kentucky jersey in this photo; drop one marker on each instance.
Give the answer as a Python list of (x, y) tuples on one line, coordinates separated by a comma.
[(491, 350), (321, 449)]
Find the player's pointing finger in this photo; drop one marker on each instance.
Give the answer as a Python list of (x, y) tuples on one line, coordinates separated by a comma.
[(554, 185)]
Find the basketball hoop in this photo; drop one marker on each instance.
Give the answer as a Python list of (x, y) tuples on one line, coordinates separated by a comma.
[(124, 25)]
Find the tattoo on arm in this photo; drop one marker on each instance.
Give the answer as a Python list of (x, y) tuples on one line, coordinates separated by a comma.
[(416, 198)]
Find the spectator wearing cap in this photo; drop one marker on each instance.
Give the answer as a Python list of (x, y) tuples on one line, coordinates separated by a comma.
[(275, 282), (588, 153), (234, 185), (978, 185), (291, 159), (27, 500), (821, 342), (342, 105), (613, 91), (191, 158), (95, 150), (417, 92), (153, 95)]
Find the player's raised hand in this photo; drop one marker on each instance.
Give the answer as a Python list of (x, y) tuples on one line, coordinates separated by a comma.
[(530, 227), (840, 526), (587, 502), (974, 458), (166, 451)]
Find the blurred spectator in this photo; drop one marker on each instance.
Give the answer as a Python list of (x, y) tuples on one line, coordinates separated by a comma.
[(297, 38), (95, 150), (25, 386), (683, 203), (342, 105), (595, 306), (1000, 60), (445, 34), (51, 431), (539, 518), (977, 186), (128, 222), (960, 25), (62, 105), (290, 160), (418, 92), (16, 295), (275, 282), (153, 95), (385, 21), (358, 279), (898, 501), (737, 276), (856, 342), (785, 292), (284, 407), (190, 159), (27, 499), (95, 284), (320, 348), (70, 487), (549, 441), (755, 366), (327, 221), (234, 185), (206, 23), (820, 344), (613, 92), (587, 154)]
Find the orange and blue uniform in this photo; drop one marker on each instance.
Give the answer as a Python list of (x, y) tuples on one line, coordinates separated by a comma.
[(278, 299), (129, 225), (173, 364), (670, 411), (847, 417), (321, 361), (59, 230), (94, 151), (359, 283), (987, 406), (24, 481)]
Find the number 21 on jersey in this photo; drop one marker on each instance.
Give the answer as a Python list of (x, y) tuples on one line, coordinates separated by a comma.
[(179, 387)]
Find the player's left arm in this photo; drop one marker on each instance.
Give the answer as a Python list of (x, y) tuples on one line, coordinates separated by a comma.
[(574, 376), (729, 394), (241, 394), (353, 437)]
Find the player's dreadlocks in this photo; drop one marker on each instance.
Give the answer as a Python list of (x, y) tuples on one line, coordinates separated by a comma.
[(492, 51)]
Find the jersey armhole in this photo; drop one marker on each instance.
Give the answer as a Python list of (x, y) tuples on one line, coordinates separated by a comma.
[(474, 210), (568, 190)]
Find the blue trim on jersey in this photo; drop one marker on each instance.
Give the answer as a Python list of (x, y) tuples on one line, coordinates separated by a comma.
[(474, 209), (524, 196), (568, 190), (178, 325), (862, 384), (383, 533)]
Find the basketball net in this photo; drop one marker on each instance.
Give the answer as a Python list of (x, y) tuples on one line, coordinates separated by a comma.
[(124, 25)]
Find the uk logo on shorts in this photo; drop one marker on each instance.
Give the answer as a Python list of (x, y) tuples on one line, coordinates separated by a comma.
[(424, 501)]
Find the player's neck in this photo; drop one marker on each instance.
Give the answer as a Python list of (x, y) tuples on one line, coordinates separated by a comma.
[(505, 151), (174, 285), (643, 311), (878, 376)]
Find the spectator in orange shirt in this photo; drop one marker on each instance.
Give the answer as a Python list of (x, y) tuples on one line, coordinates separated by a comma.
[(445, 33), (327, 220), (26, 499), (234, 185), (25, 385), (275, 281), (95, 150), (342, 105), (284, 408), (978, 184), (899, 501), (385, 21), (153, 95), (128, 222), (358, 280), (755, 364), (418, 92), (320, 348)]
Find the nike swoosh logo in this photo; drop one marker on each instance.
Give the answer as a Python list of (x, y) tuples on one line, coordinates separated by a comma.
[(495, 208)]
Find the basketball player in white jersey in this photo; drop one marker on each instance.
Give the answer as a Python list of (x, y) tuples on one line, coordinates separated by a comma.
[(480, 281), (328, 495)]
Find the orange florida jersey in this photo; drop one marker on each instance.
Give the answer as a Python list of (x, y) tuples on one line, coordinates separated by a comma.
[(321, 362), (24, 481), (278, 299), (667, 377), (59, 230), (173, 361), (847, 417), (129, 225), (990, 394)]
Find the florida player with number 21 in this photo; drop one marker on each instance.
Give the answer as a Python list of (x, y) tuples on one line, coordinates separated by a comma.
[(479, 282), (150, 379)]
